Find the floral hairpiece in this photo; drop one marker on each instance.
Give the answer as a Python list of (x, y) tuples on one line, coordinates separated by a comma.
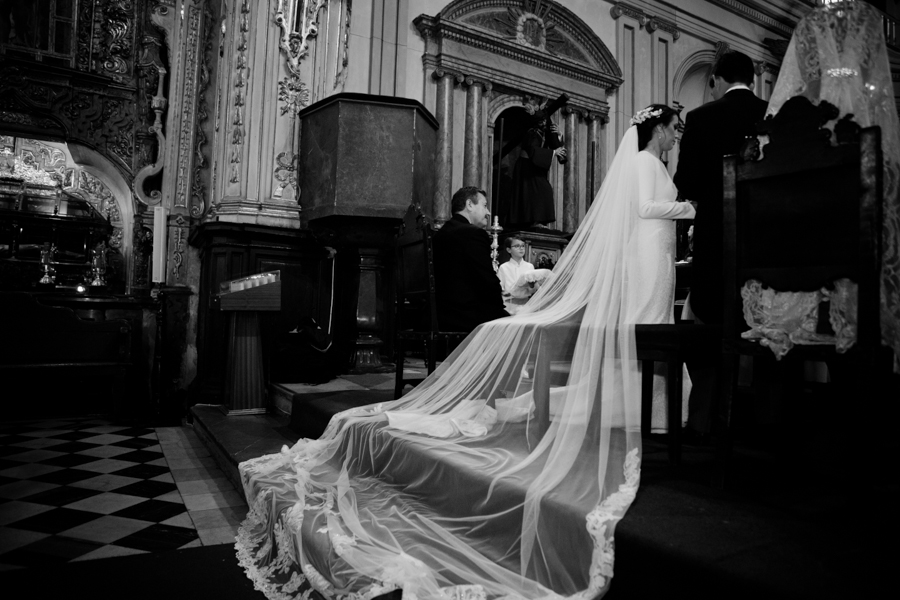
[(644, 114)]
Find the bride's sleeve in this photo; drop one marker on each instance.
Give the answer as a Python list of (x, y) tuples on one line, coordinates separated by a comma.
[(651, 207)]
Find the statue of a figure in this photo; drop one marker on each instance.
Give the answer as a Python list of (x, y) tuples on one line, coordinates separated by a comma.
[(532, 196)]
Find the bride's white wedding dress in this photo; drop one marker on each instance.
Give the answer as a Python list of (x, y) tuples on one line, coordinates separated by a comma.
[(652, 272), (447, 493)]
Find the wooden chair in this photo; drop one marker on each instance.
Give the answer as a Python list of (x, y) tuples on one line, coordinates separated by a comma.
[(416, 312), (806, 214), (673, 345), (670, 344)]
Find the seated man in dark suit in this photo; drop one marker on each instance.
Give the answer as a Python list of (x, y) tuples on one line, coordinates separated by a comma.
[(468, 290)]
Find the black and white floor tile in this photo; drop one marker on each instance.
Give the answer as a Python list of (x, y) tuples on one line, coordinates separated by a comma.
[(85, 489)]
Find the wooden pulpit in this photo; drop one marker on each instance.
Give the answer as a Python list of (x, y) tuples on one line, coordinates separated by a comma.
[(364, 160), (245, 372)]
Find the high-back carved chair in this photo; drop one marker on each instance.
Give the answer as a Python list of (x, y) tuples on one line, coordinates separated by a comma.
[(805, 215), (416, 320)]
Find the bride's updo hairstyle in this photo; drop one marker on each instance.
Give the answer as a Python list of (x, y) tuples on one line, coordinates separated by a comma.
[(648, 118)]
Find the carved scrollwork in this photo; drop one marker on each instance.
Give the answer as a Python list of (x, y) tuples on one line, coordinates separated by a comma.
[(293, 93), (158, 104), (84, 35), (117, 44), (77, 106), (285, 172), (179, 236), (299, 23)]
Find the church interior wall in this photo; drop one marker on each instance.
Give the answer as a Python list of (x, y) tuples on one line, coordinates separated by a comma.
[(247, 113)]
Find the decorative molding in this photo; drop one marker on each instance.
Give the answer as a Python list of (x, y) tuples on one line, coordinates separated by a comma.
[(118, 31), (566, 35), (293, 93), (506, 84), (340, 73), (18, 118), (663, 25), (178, 225), (188, 105), (84, 36), (285, 173), (295, 44), (437, 28), (237, 122), (750, 13), (198, 188), (94, 190), (151, 61), (620, 9), (530, 25), (647, 21)]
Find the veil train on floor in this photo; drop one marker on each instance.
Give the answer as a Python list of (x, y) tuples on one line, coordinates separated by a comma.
[(458, 489)]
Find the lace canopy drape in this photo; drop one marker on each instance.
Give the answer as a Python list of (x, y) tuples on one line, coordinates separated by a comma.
[(838, 54), (483, 482)]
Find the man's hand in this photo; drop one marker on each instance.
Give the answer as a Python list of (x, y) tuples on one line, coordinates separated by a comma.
[(555, 129), (560, 152)]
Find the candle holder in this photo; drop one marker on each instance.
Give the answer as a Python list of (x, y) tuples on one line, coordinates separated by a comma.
[(495, 230), (98, 265), (49, 273)]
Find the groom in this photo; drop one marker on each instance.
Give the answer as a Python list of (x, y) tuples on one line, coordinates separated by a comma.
[(467, 288), (711, 132)]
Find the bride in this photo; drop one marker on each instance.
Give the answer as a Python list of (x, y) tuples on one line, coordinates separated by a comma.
[(456, 490)]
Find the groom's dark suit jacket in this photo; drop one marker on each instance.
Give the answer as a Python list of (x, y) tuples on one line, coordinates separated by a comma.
[(712, 131), (468, 289)]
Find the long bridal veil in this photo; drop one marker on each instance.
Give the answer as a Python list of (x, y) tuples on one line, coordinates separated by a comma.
[(502, 475)]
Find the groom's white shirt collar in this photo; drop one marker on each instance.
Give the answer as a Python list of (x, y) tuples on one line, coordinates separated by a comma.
[(738, 86)]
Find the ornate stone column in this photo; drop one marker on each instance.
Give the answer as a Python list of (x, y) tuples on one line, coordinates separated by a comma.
[(473, 142), (570, 179), (443, 159), (259, 93), (186, 51)]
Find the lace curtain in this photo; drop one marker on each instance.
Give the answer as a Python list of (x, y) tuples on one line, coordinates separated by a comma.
[(838, 54)]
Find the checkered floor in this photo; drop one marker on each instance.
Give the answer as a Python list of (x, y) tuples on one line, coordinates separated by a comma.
[(86, 489)]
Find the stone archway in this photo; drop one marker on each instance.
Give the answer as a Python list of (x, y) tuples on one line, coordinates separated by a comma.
[(96, 179), (694, 68), (489, 55)]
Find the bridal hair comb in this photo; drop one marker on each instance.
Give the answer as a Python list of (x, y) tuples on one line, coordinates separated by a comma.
[(644, 114)]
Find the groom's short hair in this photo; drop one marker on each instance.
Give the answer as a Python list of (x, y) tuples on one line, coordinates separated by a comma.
[(470, 192), (735, 67)]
